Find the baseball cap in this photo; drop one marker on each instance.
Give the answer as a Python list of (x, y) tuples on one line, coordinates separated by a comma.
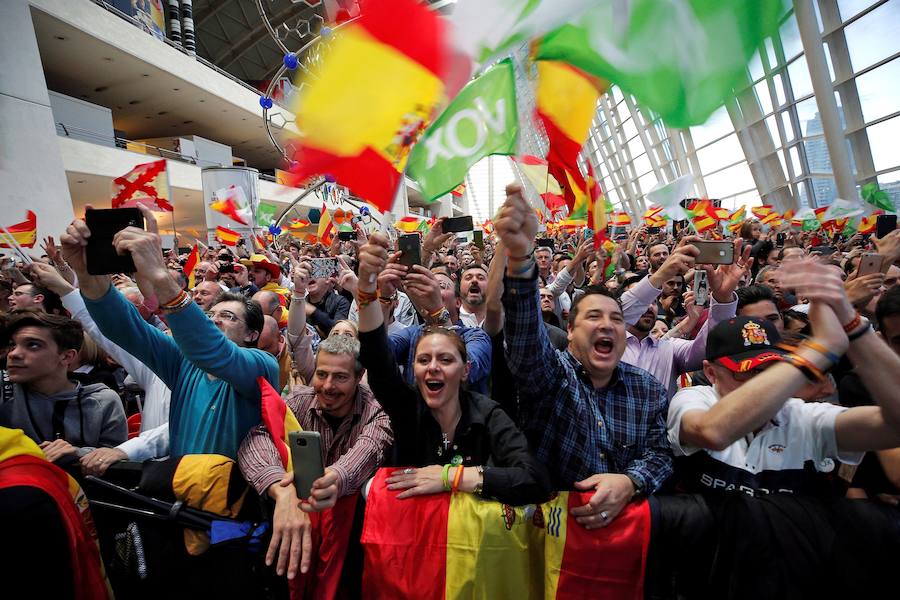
[(260, 260), (741, 344)]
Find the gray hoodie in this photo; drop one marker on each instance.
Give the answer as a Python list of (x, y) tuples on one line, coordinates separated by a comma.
[(87, 416)]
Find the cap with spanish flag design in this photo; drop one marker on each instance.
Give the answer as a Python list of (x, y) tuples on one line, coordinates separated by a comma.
[(741, 344)]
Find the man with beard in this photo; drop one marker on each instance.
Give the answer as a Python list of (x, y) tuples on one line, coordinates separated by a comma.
[(658, 255), (666, 358), (472, 290), (355, 434)]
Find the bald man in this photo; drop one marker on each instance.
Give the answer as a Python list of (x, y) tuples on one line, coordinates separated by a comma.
[(205, 292), (271, 305)]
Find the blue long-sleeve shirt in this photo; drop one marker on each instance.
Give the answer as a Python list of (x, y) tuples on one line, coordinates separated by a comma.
[(215, 397), (478, 348), (576, 429)]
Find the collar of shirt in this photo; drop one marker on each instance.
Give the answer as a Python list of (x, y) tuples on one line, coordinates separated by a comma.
[(355, 413), (652, 340), (582, 373)]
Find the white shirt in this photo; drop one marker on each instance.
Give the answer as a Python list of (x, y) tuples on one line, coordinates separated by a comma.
[(469, 319), (784, 456)]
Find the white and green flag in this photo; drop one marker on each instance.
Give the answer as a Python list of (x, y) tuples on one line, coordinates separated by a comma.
[(482, 120), (265, 213)]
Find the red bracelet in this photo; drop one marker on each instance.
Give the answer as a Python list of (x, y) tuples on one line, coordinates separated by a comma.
[(456, 479), (853, 324)]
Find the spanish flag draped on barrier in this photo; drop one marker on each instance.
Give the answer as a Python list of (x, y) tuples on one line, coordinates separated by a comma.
[(459, 546)]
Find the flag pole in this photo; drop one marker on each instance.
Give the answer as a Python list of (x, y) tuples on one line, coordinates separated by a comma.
[(16, 246)]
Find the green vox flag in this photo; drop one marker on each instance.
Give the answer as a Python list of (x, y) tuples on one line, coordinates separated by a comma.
[(481, 121), (679, 58), (265, 213)]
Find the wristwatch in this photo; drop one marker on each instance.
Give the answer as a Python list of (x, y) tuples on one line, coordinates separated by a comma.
[(479, 487), (637, 485)]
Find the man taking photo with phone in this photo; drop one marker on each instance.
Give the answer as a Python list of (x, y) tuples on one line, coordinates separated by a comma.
[(210, 362)]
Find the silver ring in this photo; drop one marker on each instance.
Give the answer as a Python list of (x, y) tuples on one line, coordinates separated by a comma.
[(408, 471), (604, 515)]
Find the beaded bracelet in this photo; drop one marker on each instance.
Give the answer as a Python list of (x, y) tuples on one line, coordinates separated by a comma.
[(178, 299), (853, 324)]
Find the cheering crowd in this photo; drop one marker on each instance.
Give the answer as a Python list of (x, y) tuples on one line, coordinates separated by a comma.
[(529, 364)]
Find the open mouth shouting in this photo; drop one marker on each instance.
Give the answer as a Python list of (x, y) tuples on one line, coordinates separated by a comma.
[(603, 347), (434, 385)]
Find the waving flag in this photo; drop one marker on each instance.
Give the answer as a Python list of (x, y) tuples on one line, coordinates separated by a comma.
[(373, 92), (482, 120), (265, 213), (670, 195), (535, 171), (232, 202), (409, 224), (736, 219), (653, 217), (877, 197), (459, 190), (147, 183), (190, 264), (620, 219), (459, 541), (325, 231), (227, 236), (278, 419), (679, 58), (867, 224), (565, 101), (24, 234), (843, 209), (596, 215), (762, 211)]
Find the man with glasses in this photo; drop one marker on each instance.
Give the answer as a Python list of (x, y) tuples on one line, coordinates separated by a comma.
[(210, 364)]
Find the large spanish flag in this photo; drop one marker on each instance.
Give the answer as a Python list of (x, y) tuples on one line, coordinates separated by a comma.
[(325, 232), (24, 233), (375, 89), (459, 546), (278, 419)]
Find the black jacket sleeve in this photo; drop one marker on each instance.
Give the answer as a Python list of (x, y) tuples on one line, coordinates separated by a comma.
[(514, 475), (385, 380)]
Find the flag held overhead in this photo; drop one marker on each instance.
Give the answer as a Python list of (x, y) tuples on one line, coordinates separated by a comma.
[(147, 183)]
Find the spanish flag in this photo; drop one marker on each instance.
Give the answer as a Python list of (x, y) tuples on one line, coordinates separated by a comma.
[(278, 419), (325, 231), (867, 224), (761, 212), (370, 97), (408, 224), (653, 217), (24, 233), (565, 102), (596, 215), (464, 547), (192, 260), (535, 170), (232, 202), (227, 236), (620, 219)]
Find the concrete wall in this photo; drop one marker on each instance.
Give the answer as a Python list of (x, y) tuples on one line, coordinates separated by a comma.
[(82, 120), (31, 168)]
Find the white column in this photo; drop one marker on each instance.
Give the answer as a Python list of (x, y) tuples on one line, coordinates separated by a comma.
[(824, 94), (31, 168)]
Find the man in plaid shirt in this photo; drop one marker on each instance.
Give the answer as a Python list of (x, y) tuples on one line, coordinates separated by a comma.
[(596, 422)]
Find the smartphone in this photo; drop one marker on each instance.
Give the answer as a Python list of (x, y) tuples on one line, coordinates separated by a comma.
[(306, 457), (478, 239), (701, 288), (545, 242), (870, 263), (410, 245), (457, 224), (885, 224), (823, 250), (323, 268), (652, 230), (226, 268), (346, 236), (779, 239), (715, 253), (104, 224)]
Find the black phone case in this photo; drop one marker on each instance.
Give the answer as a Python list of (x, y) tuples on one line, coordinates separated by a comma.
[(411, 247), (104, 224), (458, 224)]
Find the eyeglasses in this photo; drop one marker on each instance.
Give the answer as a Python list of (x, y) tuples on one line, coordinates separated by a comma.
[(225, 315)]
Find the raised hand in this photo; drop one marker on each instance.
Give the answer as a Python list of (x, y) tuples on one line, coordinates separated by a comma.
[(373, 257), (517, 223), (724, 279)]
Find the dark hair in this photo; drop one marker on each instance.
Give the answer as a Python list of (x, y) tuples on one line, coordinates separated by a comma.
[(253, 313), (591, 290), (747, 229), (796, 315), (630, 281), (67, 333), (752, 294), (448, 333), (888, 306), (51, 303)]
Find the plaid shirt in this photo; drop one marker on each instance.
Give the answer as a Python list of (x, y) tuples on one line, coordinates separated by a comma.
[(579, 430)]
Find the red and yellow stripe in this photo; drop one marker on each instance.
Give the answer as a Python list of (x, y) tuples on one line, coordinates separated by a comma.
[(371, 96), (24, 234), (190, 264), (227, 236), (325, 231)]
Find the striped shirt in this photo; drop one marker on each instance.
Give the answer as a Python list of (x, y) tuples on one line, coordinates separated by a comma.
[(354, 450)]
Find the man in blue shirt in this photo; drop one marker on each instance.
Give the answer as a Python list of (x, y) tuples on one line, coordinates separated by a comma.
[(599, 423), (209, 362)]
